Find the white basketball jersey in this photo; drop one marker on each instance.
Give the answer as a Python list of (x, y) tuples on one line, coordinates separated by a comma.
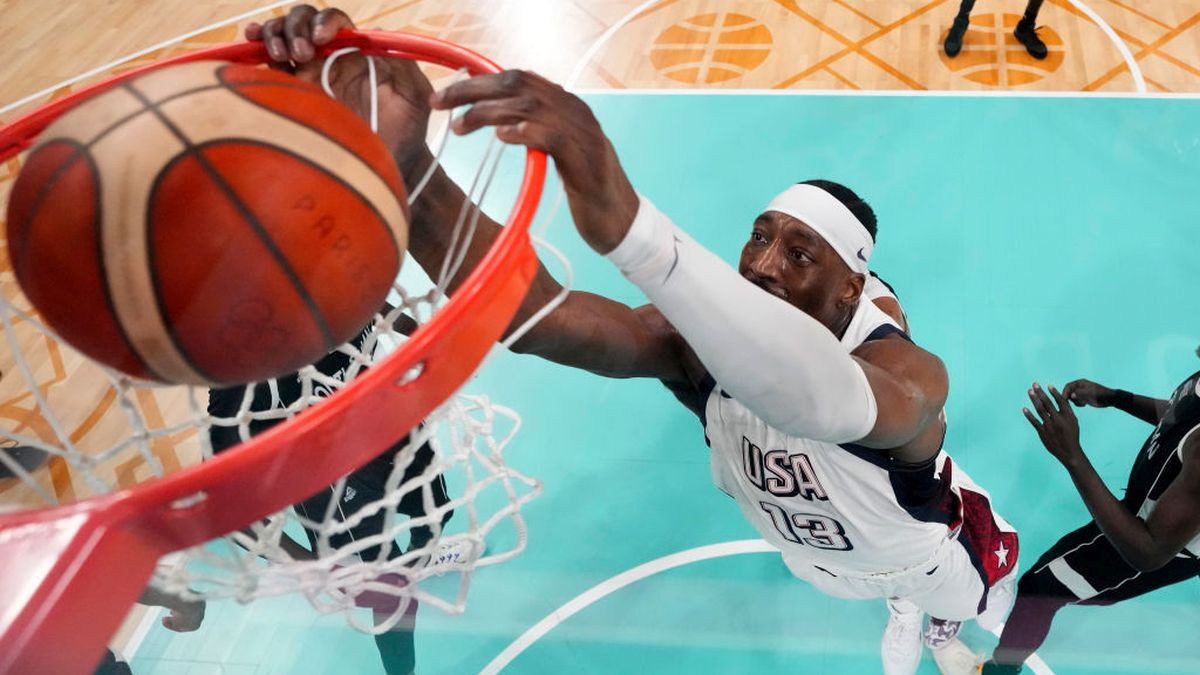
[(843, 508)]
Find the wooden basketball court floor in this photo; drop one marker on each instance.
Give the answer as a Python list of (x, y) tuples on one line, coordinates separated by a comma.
[(1125, 72)]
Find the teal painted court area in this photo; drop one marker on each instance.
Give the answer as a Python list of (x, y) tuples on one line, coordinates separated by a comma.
[(1028, 238)]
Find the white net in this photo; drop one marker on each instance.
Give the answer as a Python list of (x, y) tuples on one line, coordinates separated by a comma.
[(369, 540), (71, 429)]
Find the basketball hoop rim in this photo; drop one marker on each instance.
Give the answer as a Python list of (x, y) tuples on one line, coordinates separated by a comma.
[(281, 466)]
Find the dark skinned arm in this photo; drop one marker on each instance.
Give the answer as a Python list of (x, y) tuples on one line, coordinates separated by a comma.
[(184, 616), (1145, 545), (586, 331), (1088, 393), (909, 384), (910, 387)]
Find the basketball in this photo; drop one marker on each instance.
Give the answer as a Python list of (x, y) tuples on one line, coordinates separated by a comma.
[(208, 223)]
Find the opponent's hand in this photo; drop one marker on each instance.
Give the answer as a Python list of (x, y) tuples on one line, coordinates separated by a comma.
[(1086, 392), (403, 91), (1056, 425), (185, 617), (527, 109)]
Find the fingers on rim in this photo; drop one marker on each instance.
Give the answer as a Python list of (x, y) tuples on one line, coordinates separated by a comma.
[(271, 34), (327, 23), (529, 134), (297, 30), (489, 113), (272, 27), (276, 47), (476, 89)]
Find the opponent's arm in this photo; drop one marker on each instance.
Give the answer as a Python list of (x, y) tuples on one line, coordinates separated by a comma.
[(185, 615), (1088, 393), (586, 331), (1145, 545)]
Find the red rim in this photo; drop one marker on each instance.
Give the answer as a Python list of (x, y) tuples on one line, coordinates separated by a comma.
[(68, 574)]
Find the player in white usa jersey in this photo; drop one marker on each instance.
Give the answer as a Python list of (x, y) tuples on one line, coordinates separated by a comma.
[(825, 418)]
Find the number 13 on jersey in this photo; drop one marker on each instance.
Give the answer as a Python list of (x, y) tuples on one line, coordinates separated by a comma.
[(808, 529)]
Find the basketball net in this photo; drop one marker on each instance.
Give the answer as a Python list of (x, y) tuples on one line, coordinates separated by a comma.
[(74, 430)]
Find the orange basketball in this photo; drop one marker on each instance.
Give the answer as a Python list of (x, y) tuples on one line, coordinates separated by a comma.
[(208, 223)]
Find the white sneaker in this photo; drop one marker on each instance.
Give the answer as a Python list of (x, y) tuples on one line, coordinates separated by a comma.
[(955, 658), (901, 649), (939, 633)]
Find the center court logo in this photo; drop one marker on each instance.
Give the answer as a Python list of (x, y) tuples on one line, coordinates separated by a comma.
[(711, 48), (992, 56)]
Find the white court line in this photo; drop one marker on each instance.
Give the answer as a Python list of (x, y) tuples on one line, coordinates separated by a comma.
[(1139, 82), (129, 57), (616, 583), (577, 71), (149, 618)]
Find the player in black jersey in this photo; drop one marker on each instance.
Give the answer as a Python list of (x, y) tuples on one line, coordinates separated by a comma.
[(184, 616), (1143, 542), (363, 486), (1025, 32)]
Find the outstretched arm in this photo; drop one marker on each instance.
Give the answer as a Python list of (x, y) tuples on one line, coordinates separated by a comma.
[(1088, 393), (603, 336), (586, 331), (1145, 545), (778, 361)]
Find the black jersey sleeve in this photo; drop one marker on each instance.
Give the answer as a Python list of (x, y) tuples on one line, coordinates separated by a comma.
[(227, 403)]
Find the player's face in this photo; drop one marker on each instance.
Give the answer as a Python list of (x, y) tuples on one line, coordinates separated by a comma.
[(790, 260)]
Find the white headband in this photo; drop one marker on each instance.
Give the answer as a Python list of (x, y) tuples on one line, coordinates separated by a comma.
[(831, 219)]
